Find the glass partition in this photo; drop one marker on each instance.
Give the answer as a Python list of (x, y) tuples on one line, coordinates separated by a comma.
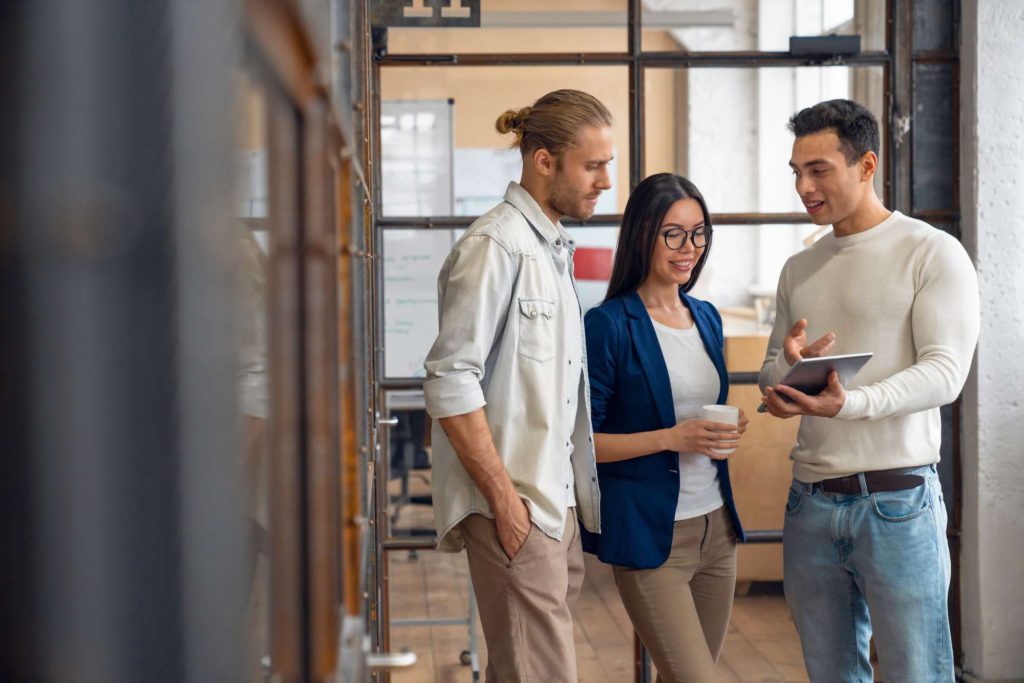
[(725, 128), (480, 161), (518, 26), (763, 25)]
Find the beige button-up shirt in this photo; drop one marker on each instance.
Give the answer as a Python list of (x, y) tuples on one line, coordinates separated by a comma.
[(504, 344)]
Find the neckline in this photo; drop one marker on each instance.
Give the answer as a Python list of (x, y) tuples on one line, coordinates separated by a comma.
[(676, 330), (865, 235)]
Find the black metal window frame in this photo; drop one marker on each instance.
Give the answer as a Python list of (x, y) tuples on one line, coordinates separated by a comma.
[(903, 99)]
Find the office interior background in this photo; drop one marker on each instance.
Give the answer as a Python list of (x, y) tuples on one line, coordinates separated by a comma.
[(222, 224)]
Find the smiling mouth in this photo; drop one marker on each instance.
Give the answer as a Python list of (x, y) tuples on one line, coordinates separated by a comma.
[(682, 265), (813, 207)]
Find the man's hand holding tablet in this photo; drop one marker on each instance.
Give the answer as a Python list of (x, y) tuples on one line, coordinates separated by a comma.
[(785, 401)]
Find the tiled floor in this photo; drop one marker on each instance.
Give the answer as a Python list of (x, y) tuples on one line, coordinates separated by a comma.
[(761, 646)]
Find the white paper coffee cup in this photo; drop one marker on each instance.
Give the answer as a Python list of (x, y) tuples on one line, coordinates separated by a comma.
[(724, 414)]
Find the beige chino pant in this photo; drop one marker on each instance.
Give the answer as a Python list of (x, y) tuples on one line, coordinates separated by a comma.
[(526, 603), (681, 609)]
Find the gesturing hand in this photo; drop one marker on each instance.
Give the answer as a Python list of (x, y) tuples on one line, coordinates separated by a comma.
[(513, 524), (795, 344), (705, 437)]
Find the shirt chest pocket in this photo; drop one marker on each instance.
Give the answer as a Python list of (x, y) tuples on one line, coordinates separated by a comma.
[(537, 322)]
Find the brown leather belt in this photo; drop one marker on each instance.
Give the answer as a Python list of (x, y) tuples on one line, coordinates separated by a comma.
[(879, 480)]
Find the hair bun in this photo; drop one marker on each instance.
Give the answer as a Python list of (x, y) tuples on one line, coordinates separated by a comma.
[(512, 120)]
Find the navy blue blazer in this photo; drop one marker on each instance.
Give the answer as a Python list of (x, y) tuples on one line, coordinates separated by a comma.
[(629, 393)]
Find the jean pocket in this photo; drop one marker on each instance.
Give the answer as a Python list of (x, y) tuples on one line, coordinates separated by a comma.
[(795, 500), (537, 324), (902, 506)]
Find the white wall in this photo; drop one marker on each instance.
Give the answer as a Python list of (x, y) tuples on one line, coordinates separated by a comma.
[(992, 182)]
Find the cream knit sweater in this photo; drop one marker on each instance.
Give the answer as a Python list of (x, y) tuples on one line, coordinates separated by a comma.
[(907, 293)]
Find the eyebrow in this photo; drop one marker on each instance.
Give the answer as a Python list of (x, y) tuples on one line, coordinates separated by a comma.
[(599, 161), (698, 224), (812, 162)]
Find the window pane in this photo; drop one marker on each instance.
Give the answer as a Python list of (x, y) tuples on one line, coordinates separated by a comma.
[(416, 157), (592, 262), (479, 157), (407, 444), (725, 129), (933, 25), (761, 25), (508, 26), (742, 272), (933, 137), (253, 252)]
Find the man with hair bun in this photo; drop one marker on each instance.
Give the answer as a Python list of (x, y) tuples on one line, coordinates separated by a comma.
[(864, 541), (514, 472)]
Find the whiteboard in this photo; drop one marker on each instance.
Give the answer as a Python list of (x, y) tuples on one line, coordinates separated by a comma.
[(412, 259)]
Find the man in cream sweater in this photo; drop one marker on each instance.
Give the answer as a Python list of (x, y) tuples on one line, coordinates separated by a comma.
[(865, 533)]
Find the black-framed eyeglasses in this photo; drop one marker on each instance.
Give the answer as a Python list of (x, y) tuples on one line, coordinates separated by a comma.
[(676, 237)]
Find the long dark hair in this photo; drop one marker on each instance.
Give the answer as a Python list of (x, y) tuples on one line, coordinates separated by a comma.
[(645, 211)]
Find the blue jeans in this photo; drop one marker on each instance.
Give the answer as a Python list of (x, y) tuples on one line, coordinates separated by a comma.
[(863, 563)]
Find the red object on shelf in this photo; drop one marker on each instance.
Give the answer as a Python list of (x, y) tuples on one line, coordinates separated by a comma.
[(592, 263)]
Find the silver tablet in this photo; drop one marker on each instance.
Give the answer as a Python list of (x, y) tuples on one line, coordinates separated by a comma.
[(810, 375)]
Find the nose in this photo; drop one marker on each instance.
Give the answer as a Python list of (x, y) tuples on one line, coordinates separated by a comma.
[(604, 178), (804, 185)]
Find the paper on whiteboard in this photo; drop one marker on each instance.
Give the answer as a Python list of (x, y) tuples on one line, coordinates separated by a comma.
[(412, 259)]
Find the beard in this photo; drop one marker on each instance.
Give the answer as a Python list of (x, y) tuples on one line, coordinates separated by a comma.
[(568, 201)]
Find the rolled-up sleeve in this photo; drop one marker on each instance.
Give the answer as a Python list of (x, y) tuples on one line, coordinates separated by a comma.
[(474, 293)]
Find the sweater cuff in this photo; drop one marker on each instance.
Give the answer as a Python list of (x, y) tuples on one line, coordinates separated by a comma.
[(779, 369), (854, 406)]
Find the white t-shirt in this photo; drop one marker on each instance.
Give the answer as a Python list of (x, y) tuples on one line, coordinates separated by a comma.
[(694, 382)]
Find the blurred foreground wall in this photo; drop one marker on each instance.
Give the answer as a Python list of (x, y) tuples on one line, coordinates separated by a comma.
[(120, 537)]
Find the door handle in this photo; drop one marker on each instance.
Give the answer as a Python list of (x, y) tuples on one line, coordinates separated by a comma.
[(390, 660)]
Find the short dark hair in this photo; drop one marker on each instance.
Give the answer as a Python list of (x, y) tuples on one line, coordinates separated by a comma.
[(853, 124), (645, 210)]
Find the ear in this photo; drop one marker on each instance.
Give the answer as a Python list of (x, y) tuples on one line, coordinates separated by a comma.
[(543, 162), (868, 166)]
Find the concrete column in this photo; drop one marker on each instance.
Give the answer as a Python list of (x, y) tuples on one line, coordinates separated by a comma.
[(992, 200)]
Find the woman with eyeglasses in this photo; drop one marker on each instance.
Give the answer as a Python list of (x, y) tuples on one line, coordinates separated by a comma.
[(655, 356)]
